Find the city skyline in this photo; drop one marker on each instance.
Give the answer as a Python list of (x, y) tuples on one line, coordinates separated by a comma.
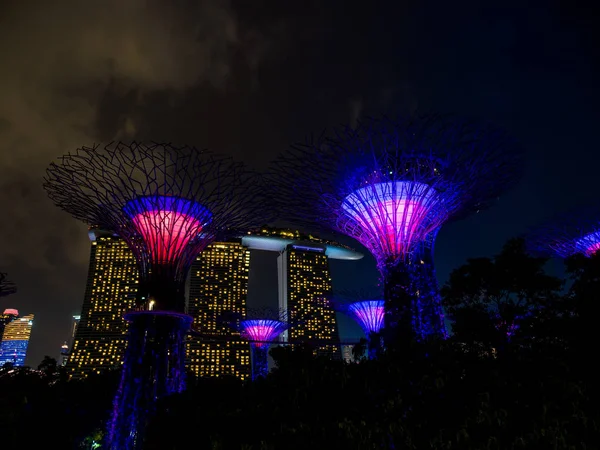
[(274, 80), (96, 334)]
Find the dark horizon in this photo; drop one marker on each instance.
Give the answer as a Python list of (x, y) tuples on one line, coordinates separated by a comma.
[(250, 81)]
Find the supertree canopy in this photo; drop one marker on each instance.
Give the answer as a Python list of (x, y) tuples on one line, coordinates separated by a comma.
[(7, 287), (260, 332), (567, 234), (168, 203), (391, 185), (369, 314), (368, 311), (265, 326)]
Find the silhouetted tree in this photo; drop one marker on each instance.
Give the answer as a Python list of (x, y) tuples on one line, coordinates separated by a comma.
[(489, 299)]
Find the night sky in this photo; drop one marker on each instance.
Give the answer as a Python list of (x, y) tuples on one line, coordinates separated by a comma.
[(249, 78)]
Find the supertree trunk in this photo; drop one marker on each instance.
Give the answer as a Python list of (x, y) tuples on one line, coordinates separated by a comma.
[(399, 304), (413, 308), (153, 368), (429, 313), (260, 360), (374, 345)]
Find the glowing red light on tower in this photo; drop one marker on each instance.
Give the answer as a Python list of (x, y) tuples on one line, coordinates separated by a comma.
[(393, 215), (167, 225)]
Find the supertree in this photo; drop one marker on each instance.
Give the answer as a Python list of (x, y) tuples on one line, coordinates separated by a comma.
[(168, 203), (577, 231), (261, 331), (367, 308), (7, 286), (391, 185)]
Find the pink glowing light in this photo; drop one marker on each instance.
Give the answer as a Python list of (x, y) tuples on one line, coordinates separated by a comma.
[(167, 225), (11, 312), (166, 233), (369, 314), (593, 249), (588, 244), (262, 331), (393, 216)]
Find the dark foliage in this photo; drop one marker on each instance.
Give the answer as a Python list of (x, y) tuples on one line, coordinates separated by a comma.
[(41, 409), (536, 390), (7, 287)]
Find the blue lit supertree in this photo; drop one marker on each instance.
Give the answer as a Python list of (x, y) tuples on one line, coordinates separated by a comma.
[(391, 185), (261, 330), (568, 234), (260, 333), (168, 203), (368, 310)]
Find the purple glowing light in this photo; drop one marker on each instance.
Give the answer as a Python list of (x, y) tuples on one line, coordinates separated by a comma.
[(369, 314), (167, 225), (394, 216), (262, 331), (589, 244)]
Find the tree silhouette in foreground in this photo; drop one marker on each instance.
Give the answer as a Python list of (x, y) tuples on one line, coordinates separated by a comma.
[(540, 391), (490, 300)]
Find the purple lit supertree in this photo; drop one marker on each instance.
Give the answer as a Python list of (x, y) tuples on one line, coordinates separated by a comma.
[(168, 203), (368, 310), (391, 185), (567, 234), (261, 333)]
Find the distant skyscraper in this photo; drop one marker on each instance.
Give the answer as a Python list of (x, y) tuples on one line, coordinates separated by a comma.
[(74, 325), (99, 341), (304, 286), (218, 291), (304, 281), (7, 316), (65, 349), (15, 341)]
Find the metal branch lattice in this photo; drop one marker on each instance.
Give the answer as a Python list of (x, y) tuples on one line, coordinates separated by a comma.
[(567, 234), (7, 286), (391, 184), (168, 203)]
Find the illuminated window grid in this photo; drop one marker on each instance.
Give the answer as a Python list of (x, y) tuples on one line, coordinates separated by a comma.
[(218, 286), (15, 340), (309, 280), (111, 288)]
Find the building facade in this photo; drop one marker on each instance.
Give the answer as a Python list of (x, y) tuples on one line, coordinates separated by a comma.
[(65, 349), (6, 317), (217, 299), (15, 340), (99, 341), (304, 289)]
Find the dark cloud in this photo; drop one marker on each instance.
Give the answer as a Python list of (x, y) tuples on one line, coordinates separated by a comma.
[(71, 74)]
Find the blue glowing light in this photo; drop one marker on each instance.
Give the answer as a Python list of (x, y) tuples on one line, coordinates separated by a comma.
[(14, 352), (588, 244), (391, 217), (369, 314), (153, 367)]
